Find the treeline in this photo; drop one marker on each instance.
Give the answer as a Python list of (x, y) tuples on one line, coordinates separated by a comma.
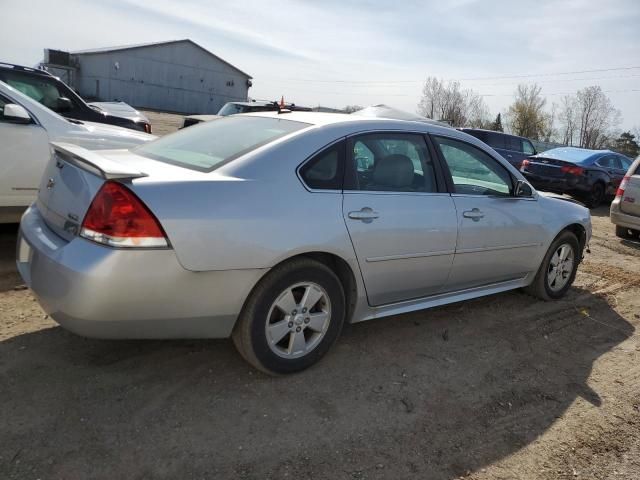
[(587, 119)]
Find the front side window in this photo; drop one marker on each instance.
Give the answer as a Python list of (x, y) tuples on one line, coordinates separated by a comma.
[(392, 162), (626, 163), (473, 171), (325, 171), (209, 145), (527, 147), (42, 89)]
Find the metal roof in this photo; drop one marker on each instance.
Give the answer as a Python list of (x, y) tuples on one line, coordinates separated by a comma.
[(155, 44)]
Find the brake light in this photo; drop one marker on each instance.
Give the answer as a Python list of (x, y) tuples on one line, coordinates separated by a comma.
[(572, 170), (118, 218), (622, 186)]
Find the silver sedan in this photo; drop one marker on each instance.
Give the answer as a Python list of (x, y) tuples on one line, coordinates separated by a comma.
[(275, 229)]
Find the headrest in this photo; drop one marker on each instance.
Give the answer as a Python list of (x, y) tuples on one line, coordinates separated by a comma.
[(394, 171)]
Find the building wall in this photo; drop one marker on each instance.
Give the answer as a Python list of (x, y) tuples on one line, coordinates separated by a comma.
[(178, 77)]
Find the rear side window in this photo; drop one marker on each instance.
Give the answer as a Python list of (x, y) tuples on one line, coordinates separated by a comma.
[(514, 143), (210, 145), (325, 171), (496, 140), (391, 162)]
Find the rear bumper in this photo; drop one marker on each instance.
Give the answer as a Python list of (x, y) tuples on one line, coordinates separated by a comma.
[(103, 292), (556, 184), (622, 219)]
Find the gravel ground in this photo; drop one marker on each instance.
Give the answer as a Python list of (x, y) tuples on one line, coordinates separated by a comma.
[(504, 387)]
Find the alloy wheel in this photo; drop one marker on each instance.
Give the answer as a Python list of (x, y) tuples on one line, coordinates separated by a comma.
[(560, 267), (298, 320)]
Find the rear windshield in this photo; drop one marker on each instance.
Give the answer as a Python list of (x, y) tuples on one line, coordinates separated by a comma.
[(209, 145)]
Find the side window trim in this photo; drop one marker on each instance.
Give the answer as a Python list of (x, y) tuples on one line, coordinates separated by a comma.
[(350, 175), (341, 144), (451, 188)]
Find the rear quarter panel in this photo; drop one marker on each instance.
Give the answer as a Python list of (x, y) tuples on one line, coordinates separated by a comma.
[(255, 214)]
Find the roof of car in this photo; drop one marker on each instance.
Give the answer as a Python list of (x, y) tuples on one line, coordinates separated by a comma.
[(468, 129), (314, 118), (22, 68)]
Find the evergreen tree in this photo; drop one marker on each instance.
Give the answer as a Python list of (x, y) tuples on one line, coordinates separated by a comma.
[(626, 144), (497, 124)]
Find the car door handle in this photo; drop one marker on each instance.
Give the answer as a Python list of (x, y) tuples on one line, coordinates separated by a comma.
[(365, 214), (474, 214)]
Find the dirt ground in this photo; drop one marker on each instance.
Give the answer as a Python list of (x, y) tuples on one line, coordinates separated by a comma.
[(504, 387)]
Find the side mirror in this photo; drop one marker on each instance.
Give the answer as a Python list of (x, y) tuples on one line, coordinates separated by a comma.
[(63, 104), (15, 114), (523, 189)]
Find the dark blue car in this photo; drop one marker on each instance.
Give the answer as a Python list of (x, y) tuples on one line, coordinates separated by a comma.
[(514, 149), (588, 175)]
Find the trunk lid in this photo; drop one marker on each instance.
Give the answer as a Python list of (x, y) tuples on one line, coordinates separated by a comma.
[(630, 201), (74, 175), (70, 181), (547, 167)]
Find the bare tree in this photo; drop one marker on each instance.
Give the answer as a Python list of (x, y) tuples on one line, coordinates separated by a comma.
[(450, 103), (526, 116), (568, 120), (596, 117)]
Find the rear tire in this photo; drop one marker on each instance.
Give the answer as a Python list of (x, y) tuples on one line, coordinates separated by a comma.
[(556, 273), (292, 317), (596, 195)]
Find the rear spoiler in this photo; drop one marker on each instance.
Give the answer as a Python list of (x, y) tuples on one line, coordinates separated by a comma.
[(94, 162)]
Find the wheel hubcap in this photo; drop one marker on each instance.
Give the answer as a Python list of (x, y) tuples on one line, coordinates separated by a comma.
[(298, 320), (560, 267)]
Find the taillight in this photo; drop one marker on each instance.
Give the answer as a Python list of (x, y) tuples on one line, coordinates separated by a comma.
[(116, 217), (622, 186), (525, 163), (147, 127), (572, 170)]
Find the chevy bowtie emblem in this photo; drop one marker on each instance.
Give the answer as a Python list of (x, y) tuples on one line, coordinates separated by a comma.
[(50, 183)]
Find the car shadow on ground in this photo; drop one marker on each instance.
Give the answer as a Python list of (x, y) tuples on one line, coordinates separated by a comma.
[(433, 394), (9, 277), (601, 211)]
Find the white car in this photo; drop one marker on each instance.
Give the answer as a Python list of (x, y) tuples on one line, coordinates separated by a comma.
[(26, 129)]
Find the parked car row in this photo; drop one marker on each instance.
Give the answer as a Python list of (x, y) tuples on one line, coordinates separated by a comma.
[(156, 238)]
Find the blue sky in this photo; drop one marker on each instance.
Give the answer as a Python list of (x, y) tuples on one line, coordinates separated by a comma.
[(339, 52)]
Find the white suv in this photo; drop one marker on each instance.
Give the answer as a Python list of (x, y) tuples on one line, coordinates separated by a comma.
[(26, 128)]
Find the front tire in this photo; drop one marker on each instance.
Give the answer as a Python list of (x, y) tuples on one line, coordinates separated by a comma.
[(292, 317), (558, 269)]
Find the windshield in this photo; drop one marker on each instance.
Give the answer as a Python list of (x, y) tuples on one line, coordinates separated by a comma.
[(232, 108), (208, 146)]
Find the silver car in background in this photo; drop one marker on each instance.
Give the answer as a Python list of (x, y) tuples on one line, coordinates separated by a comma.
[(276, 229), (625, 208)]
